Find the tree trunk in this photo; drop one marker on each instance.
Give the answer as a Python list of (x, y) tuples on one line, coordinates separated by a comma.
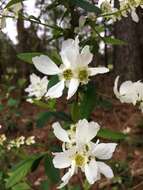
[(128, 59)]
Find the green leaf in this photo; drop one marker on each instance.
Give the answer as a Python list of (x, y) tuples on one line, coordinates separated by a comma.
[(20, 171), (52, 173), (75, 112), (86, 6), (45, 185), (44, 117), (21, 186), (12, 2), (53, 81), (27, 57), (111, 135), (88, 102), (114, 41), (12, 102), (1, 107)]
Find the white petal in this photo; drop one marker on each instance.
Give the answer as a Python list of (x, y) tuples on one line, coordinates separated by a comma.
[(67, 177), (91, 171), (73, 86), (69, 51), (97, 70), (104, 150), (45, 65), (56, 91), (105, 169), (62, 160), (134, 16), (85, 56), (60, 133), (34, 78), (86, 131), (115, 89)]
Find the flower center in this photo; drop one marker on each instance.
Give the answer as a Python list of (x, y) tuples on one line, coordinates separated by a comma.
[(83, 75), (80, 159), (67, 74)]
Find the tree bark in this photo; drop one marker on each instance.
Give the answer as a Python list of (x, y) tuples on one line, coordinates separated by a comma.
[(128, 59)]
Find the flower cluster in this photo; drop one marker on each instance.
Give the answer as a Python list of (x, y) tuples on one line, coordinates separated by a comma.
[(9, 12), (129, 92), (80, 152), (16, 143), (73, 72), (125, 7)]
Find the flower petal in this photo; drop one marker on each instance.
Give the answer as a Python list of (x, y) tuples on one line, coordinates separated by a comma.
[(97, 70), (56, 91), (115, 88), (67, 177), (62, 160), (105, 169), (86, 56), (45, 65), (86, 131), (134, 16), (91, 171), (60, 133), (69, 51), (73, 86), (104, 150)]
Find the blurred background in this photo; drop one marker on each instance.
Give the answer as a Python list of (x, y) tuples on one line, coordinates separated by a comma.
[(124, 58)]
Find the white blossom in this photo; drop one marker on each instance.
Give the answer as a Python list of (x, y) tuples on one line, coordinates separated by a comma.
[(79, 152), (74, 70), (38, 86), (11, 11), (129, 92)]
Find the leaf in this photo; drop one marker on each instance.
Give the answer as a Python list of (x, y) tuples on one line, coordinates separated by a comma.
[(44, 117), (27, 57), (75, 112), (20, 171), (51, 171), (12, 2), (12, 102), (21, 186), (114, 41), (88, 102), (53, 81), (86, 6), (45, 185), (111, 135)]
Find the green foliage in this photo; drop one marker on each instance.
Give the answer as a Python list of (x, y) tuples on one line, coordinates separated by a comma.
[(27, 57), (21, 186), (19, 172), (44, 117), (52, 173), (12, 102), (114, 41), (12, 2), (88, 101), (86, 6), (111, 135), (45, 185)]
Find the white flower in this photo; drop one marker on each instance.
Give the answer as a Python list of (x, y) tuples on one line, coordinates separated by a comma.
[(38, 87), (79, 152), (72, 72), (30, 140), (127, 91), (11, 11)]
